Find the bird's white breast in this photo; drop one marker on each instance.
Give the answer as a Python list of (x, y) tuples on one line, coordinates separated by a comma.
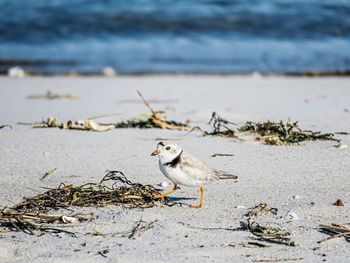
[(177, 175)]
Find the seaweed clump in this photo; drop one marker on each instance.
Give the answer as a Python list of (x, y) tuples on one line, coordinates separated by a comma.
[(220, 127), (121, 192), (278, 133), (33, 214), (155, 120)]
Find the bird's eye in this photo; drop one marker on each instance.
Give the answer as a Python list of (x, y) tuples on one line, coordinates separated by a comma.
[(167, 148)]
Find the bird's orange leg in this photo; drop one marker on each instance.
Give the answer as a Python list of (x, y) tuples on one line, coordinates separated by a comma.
[(165, 194), (202, 198)]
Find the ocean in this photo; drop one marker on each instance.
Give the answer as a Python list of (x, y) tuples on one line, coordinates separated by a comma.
[(181, 36)]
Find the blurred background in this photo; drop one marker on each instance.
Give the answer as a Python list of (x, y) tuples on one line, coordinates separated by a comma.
[(181, 36)]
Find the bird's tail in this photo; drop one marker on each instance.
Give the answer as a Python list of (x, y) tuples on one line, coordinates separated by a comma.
[(224, 175)]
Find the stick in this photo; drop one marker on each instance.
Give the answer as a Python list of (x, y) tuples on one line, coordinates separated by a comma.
[(47, 174), (277, 259), (147, 103)]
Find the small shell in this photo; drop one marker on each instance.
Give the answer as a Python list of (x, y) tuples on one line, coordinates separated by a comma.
[(290, 216), (296, 196), (163, 185), (69, 219), (240, 207)]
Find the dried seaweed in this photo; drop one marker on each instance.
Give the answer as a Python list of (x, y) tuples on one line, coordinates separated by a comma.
[(87, 125), (269, 132), (261, 208), (272, 234), (30, 222), (120, 192), (155, 120), (278, 133), (335, 231), (220, 127), (33, 214)]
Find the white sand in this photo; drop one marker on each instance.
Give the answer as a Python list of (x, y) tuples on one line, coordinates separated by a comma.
[(316, 171)]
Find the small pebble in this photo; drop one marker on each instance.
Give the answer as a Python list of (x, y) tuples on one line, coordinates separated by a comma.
[(339, 202), (240, 207), (296, 196)]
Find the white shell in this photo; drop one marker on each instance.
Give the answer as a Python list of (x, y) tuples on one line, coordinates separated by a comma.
[(291, 216), (240, 207), (163, 185), (69, 219)]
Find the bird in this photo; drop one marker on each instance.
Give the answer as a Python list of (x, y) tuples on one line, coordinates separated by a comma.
[(183, 168)]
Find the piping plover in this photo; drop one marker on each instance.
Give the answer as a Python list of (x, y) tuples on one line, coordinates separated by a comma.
[(182, 168)]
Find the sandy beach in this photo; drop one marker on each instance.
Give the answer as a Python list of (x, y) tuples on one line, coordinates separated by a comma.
[(305, 179)]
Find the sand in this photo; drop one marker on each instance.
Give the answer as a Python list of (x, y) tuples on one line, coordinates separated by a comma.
[(315, 171)]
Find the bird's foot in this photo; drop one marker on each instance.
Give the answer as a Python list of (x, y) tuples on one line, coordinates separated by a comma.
[(197, 206)]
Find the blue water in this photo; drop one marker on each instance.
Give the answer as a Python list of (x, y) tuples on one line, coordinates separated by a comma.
[(191, 36)]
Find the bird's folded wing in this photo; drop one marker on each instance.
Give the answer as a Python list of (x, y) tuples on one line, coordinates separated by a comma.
[(196, 169)]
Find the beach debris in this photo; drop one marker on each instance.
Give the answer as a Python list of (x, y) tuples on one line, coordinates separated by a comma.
[(140, 227), (281, 133), (34, 214), (69, 219), (240, 207), (250, 244), (103, 252), (213, 228), (155, 120), (268, 132), (261, 208), (84, 125), (52, 96), (16, 72), (273, 234), (221, 154), (163, 185), (47, 174), (291, 216), (296, 196), (335, 231), (339, 202), (109, 72), (6, 125), (341, 146), (121, 192), (220, 127), (277, 259), (31, 222)]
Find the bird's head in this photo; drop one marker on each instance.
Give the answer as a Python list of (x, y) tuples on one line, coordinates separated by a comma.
[(167, 152)]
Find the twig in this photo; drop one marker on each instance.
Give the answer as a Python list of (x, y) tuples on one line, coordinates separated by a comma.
[(221, 154), (213, 228), (147, 103), (3, 126), (140, 227), (277, 259), (47, 174)]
